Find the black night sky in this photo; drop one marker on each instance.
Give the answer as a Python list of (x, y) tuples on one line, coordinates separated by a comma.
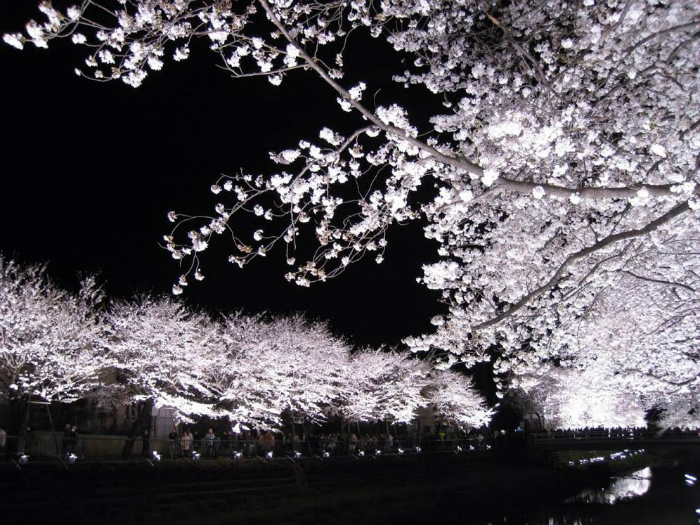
[(89, 172)]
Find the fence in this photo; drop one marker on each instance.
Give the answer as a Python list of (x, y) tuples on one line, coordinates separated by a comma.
[(613, 433), (48, 445)]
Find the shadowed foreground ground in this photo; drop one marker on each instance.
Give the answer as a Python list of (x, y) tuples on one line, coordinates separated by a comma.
[(415, 489), (337, 491)]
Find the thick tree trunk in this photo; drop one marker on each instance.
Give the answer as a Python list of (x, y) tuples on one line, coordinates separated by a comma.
[(141, 422)]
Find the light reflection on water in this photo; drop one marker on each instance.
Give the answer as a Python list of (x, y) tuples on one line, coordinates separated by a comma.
[(625, 500), (624, 487)]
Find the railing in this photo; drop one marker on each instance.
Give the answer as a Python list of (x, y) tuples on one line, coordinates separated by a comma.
[(50, 446), (612, 434)]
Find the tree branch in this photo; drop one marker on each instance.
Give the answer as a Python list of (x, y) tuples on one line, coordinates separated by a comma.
[(458, 161), (659, 281), (603, 243)]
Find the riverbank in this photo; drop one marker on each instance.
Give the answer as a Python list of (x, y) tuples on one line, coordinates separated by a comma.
[(406, 489)]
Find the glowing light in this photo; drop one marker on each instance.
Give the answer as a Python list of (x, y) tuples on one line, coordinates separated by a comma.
[(418, 450), (196, 456), (297, 454), (269, 454), (72, 458), (237, 455), (156, 457), (326, 454)]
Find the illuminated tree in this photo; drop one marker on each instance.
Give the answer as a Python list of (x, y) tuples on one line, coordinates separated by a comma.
[(454, 397), (541, 182), (383, 386), (163, 352), (51, 341), (286, 364), (564, 162), (577, 398)]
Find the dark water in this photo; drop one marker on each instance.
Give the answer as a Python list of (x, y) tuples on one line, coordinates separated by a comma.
[(661, 495)]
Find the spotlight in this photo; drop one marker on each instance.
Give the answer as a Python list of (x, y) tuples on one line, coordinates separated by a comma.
[(472, 447), (155, 456), (72, 458), (297, 454), (23, 459), (458, 448), (418, 450), (377, 452), (196, 456), (401, 451), (269, 454), (361, 453), (326, 454), (237, 455)]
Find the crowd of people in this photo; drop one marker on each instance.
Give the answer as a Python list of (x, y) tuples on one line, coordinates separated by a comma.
[(188, 443)]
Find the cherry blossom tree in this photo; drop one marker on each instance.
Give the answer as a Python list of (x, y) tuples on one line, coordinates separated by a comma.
[(559, 176), (51, 341), (453, 396), (285, 364), (383, 386), (163, 352), (577, 398)]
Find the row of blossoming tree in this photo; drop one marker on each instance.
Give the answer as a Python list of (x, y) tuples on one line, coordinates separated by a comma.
[(564, 154), (58, 346)]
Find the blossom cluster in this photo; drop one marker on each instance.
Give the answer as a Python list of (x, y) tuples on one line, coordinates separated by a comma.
[(559, 180), (251, 370)]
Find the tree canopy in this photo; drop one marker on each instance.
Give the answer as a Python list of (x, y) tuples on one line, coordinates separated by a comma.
[(559, 179), (255, 371)]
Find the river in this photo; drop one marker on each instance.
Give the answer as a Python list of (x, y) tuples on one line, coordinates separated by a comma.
[(656, 495)]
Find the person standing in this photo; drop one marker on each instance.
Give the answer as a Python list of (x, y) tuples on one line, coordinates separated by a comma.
[(65, 442), (3, 443), (209, 440), (352, 443), (173, 440), (145, 443), (186, 443), (73, 444)]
